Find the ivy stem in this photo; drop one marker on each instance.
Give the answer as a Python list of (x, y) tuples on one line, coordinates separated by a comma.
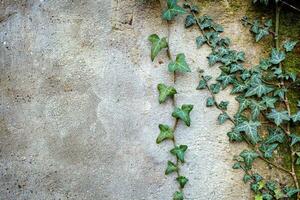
[(286, 101)]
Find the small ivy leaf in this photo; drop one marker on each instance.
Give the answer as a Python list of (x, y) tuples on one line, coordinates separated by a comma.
[(234, 137), (172, 10), (250, 128), (166, 133), (298, 158), (267, 196), (178, 196), (225, 42), (249, 157), (189, 21), (165, 92), (179, 65), (218, 27), (289, 45), (295, 139), (239, 118), (179, 151), (238, 87), (207, 78), (195, 9), (296, 117), (292, 75), (202, 85), (264, 64), (240, 56), (256, 108), (269, 101), (245, 75), (225, 79), (200, 40), (278, 117), (271, 185), (237, 165), (157, 44), (275, 135), (268, 23), (183, 113), (215, 88), (213, 58), (205, 22), (222, 118), (182, 181), (246, 178), (290, 191), (262, 32), (277, 56), (268, 149), (258, 89), (210, 102), (257, 177), (234, 67), (258, 197), (171, 168), (255, 27), (280, 93), (243, 103), (223, 105)]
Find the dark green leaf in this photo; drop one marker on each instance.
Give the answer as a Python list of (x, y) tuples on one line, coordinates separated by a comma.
[(171, 168), (165, 133), (249, 156), (202, 84), (275, 135), (179, 65), (178, 196), (277, 56), (157, 44), (200, 40), (215, 88), (269, 101), (222, 118), (189, 21), (295, 139), (210, 102), (250, 128), (268, 149), (182, 181), (234, 136), (289, 45), (296, 117), (258, 89), (244, 103), (172, 10), (165, 92), (262, 32), (278, 117), (256, 108), (223, 105), (246, 178), (290, 191), (179, 151), (183, 113)]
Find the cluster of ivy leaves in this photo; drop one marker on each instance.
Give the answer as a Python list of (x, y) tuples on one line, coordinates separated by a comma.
[(260, 95), (179, 65)]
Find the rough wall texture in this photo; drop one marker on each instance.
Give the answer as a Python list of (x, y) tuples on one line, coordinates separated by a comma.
[(79, 110)]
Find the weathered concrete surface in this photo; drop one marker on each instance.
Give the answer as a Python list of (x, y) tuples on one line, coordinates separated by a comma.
[(79, 110)]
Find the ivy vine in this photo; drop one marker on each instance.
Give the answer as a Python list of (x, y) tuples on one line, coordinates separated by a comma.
[(264, 120)]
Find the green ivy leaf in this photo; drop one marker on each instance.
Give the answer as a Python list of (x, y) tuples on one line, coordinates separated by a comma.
[(183, 113), (157, 44), (277, 56), (275, 135), (296, 117), (213, 58), (166, 133), (249, 157), (234, 67), (258, 197), (250, 128), (200, 40), (269, 101), (215, 88), (178, 196), (223, 105), (245, 75), (256, 108), (295, 139), (171, 168), (268, 149), (172, 10), (243, 103), (258, 89), (268, 23), (237, 165), (189, 21), (165, 92), (289, 45), (238, 87), (218, 27), (222, 118), (290, 191), (210, 102), (225, 79), (279, 194), (179, 151), (246, 178), (264, 64), (262, 32), (280, 92), (234, 137), (278, 117), (182, 181), (179, 65), (202, 85), (205, 22)]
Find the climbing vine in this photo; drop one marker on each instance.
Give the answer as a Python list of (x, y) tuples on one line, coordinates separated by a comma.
[(264, 120)]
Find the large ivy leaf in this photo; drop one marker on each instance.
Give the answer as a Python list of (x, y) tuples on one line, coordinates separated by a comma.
[(157, 44), (165, 92), (278, 117), (182, 180), (296, 117), (295, 139), (179, 151), (171, 167), (178, 196), (179, 65), (256, 108), (258, 89), (277, 56), (172, 10), (268, 149), (249, 157), (165, 133), (250, 129), (275, 135), (183, 113), (289, 45), (269, 101)]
